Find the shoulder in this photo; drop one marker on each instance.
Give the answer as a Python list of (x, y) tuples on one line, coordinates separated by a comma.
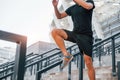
[(91, 2), (71, 7)]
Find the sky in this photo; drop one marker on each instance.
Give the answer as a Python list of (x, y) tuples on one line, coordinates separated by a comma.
[(30, 18)]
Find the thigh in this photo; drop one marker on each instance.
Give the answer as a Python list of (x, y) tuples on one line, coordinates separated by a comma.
[(85, 44), (60, 32), (71, 36)]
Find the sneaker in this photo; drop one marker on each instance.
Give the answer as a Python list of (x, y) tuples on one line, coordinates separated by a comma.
[(66, 61)]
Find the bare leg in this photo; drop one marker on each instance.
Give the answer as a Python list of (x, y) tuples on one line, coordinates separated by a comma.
[(59, 35), (89, 64)]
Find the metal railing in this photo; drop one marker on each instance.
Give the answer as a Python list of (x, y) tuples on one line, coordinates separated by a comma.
[(50, 61), (7, 70), (20, 52), (112, 44), (74, 52)]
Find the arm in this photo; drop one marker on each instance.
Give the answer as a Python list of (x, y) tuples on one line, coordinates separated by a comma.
[(84, 4), (57, 13)]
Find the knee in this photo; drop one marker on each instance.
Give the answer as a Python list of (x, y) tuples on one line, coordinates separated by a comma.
[(89, 63), (54, 32)]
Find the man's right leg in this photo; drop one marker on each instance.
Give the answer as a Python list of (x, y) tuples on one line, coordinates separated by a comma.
[(89, 64), (59, 35)]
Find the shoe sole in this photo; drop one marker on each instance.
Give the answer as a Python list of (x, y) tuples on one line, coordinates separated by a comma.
[(67, 62)]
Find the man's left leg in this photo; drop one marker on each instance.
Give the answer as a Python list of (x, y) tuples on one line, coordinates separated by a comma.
[(89, 64)]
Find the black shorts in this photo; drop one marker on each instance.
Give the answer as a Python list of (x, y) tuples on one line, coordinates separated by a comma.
[(84, 42)]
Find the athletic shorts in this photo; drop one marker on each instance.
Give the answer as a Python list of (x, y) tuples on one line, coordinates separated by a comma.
[(83, 41)]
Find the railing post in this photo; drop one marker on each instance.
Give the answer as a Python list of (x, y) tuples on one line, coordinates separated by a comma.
[(118, 70), (11, 76), (38, 66), (113, 57), (69, 71), (38, 76), (80, 66), (99, 52), (77, 61), (20, 53), (20, 61), (31, 68), (41, 62), (69, 67)]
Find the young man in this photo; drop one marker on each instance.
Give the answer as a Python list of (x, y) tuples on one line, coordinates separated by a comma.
[(81, 14)]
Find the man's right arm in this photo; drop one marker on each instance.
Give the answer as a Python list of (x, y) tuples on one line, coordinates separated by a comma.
[(57, 13)]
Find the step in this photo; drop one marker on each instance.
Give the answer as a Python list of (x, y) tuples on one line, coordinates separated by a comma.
[(102, 73)]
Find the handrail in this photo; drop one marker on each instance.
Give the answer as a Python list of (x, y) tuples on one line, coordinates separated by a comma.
[(40, 60), (113, 46), (43, 54), (97, 43), (9, 74), (12, 63), (29, 55), (44, 58), (6, 64)]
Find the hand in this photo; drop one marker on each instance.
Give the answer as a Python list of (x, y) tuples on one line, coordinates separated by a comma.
[(55, 2)]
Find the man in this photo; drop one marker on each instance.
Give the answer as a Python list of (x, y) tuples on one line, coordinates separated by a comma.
[(81, 14)]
